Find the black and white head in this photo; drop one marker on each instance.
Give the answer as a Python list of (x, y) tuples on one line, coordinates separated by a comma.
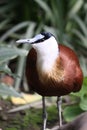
[(43, 41), (46, 47), (37, 39)]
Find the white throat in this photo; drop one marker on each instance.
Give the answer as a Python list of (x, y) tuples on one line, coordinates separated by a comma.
[(47, 53)]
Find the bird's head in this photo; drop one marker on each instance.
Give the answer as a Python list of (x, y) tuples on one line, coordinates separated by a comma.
[(43, 42), (46, 48), (37, 39)]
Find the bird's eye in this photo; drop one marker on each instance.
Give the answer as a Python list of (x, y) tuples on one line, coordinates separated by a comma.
[(40, 40)]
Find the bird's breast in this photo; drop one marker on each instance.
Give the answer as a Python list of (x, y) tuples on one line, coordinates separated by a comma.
[(54, 73), (64, 76)]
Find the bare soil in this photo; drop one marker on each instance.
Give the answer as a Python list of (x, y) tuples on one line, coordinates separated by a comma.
[(30, 119)]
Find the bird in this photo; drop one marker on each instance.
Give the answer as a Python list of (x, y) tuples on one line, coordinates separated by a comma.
[(52, 69)]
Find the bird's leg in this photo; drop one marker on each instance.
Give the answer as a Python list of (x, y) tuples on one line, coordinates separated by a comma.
[(59, 102), (44, 114)]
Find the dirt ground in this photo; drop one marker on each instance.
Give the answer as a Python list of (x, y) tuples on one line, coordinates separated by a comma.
[(29, 119)]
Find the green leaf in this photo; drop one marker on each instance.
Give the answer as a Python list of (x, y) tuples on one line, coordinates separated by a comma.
[(14, 29), (83, 103), (71, 112), (77, 6), (82, 94), (45, 7), (8, 91), (81, 37), (8, 53), (4, 68), (3, 24), (83, 90), (81, 24)]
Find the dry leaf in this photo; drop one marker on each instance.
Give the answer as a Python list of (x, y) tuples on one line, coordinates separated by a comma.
[(27, 98)]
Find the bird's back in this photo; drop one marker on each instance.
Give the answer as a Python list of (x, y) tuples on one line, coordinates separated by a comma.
[(71, 73)]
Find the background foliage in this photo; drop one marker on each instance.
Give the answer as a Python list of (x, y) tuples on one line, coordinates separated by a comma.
[(67, 20)]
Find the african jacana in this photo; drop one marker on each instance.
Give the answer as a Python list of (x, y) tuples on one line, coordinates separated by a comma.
[(52, 69)]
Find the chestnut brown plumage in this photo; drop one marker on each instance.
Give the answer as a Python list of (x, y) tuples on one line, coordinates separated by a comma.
[(67, 67), (52, 69)]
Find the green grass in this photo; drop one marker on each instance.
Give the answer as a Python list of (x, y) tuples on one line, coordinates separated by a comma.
[(32, 119)]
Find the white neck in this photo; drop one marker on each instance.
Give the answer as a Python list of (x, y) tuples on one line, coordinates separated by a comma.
[(47, 53)]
